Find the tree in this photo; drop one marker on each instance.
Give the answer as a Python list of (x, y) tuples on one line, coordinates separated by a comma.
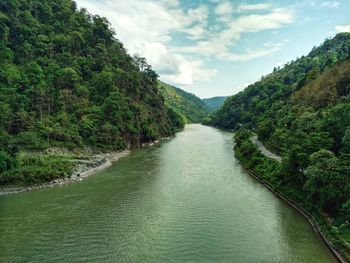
[(7, 162), (295, 164), (326, 184), (346, 142)]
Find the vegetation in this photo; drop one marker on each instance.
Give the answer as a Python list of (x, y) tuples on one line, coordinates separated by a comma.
[(301, 112), (38, 168), (189, 106), (215, 102), (67, 81)]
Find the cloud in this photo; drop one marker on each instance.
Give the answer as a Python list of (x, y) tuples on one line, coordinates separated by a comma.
[(330, 4), (268, 49), (342, 29), (148, 28), (219, 43), (189, 71), (224, 8), (145, 27), (174, 68), (255, 7), (160, 58)]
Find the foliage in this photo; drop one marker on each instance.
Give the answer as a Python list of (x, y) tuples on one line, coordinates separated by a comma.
[(189, 106), (33, 169), (177, 120), (267, 168), (67, 81), (215, 102), (270, 98), (326, 183)]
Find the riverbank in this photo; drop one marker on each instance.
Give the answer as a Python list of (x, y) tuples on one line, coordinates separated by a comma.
[(187, 191), (265, 170), (82, 170), (312, 221), (84, 167)]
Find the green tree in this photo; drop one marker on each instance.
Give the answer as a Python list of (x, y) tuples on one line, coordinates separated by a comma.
[(325, 183)]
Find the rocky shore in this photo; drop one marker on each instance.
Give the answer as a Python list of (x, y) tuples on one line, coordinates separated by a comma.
[(83, 169)]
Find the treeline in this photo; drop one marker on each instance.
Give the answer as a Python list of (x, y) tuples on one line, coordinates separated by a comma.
[(67, 81), (302, 112)]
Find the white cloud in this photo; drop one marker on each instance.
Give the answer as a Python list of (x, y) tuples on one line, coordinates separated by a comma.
[(254, 7), (330, 4), (220, 42), (147, 27), (199, 14), (189, 71), (268, 49), (174, 68), (342, 29), (224, 8)]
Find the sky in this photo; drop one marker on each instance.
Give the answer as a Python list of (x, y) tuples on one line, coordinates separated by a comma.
[(219, 47)]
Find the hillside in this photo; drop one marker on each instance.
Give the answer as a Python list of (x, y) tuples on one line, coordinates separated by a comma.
[(66, 81), (215, 102), (186, 104), (301, 112), (326, 89), (256, 100)]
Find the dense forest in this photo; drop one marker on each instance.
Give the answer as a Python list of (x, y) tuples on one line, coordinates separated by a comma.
[(66, 81), (187, 105), (302, 113), (214, 103)]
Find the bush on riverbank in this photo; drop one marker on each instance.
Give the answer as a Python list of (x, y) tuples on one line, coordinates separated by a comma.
[(268, 169), (37, 168)]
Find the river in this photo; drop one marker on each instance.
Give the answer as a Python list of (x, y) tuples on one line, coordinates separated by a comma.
[(185, 200)]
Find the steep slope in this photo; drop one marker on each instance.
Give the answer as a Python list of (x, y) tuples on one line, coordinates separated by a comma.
[(301, 112), (266, 96), (66, 81), (215, 102), (186, 104), (326, 89)]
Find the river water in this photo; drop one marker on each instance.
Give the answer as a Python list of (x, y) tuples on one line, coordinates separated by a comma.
[(185, 200)]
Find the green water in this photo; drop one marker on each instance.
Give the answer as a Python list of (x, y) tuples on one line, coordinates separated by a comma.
[(186, 200)]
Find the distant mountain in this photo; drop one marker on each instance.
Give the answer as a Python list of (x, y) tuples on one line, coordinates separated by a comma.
[(192, 108), (215, 102)]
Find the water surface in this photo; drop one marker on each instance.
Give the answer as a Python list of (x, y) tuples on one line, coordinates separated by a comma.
[(186, 200)]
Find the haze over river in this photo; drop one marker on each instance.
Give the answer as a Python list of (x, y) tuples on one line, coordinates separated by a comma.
[(185, 200)]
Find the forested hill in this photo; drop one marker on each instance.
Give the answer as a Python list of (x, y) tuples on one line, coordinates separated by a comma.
[(301, 112), (215, 102), (67, 81), (272, 93), (188, 105)]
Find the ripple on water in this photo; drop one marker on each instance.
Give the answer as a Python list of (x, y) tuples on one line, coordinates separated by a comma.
[(186, 200)]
